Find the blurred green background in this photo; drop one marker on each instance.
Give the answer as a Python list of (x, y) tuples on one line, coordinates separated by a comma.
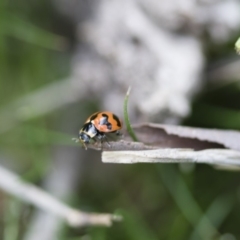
[(157, 201)]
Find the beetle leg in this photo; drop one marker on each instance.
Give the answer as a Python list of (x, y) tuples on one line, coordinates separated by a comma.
[(83, 144), (106, 140), (103, 138), (118, 133)]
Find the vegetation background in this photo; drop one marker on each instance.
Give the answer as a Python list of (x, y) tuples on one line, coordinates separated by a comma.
[(157, 201)]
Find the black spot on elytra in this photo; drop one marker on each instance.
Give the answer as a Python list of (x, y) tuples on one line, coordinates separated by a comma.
[(105, 122), (117, 120), (93, 116), (109, 126)]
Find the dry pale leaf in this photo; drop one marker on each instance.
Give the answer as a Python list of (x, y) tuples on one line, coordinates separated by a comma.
[(169, 136)]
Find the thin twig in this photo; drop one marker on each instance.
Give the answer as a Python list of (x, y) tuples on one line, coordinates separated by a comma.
[(121, 145), (12, 184)]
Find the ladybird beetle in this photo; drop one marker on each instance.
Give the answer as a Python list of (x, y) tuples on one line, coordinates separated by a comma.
[(97, 125)]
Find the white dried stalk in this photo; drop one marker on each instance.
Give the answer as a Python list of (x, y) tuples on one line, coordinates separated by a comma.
[(222, 157), (12, 184)]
